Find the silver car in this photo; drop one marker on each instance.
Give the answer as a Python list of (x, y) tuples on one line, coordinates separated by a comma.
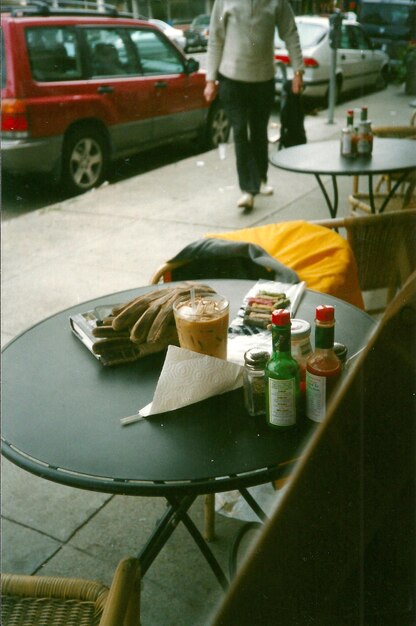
[(358, 63)]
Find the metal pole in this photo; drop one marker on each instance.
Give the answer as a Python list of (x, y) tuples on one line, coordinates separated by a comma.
[(332, 86)]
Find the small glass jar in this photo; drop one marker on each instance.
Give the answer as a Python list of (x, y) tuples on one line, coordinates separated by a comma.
[(301, 346), (255, 361)]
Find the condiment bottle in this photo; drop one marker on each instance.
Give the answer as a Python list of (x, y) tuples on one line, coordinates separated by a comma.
[(365, 134), (341, 351), (348, 138), (254, 383), (301, 347), (282, 375), (323, 368)]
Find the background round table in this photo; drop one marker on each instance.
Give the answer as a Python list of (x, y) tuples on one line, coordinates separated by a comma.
[(323, 158)]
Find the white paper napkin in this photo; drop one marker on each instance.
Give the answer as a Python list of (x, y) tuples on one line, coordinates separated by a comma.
[(189, 377)]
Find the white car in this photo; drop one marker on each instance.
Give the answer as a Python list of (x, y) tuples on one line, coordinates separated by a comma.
[(358, 63), (175, 34)]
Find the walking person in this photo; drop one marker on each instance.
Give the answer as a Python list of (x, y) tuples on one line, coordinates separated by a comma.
[(240, 64)]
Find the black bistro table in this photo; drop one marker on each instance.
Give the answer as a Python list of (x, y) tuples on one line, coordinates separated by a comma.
[(62, 410), (323, 158)]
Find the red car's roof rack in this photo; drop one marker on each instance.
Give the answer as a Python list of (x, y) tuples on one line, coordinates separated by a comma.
[(66, 7)]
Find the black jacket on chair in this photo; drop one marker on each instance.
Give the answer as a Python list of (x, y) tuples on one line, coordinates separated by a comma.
[(220, 258)]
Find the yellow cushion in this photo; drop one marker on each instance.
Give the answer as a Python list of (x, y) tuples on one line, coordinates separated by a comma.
[(319, 255)]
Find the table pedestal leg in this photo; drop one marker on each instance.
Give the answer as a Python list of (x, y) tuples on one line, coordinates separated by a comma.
[(176, 512), (393, 190), (253, 504), (333, 207), (206, 551), (371, 193), (388, 197), (165, 527)]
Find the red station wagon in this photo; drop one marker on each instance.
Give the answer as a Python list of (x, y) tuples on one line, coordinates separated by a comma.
[(82, 88)]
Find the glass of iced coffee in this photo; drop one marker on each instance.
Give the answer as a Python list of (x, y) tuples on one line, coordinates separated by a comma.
[(202, 324)]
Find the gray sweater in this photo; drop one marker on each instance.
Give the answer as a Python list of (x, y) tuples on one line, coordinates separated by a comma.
[(241, 39)]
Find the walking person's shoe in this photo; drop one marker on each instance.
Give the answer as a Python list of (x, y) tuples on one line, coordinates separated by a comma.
[(265, 189), (246, 201)]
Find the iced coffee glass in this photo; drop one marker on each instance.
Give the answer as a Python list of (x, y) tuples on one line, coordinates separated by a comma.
[(202, 324)]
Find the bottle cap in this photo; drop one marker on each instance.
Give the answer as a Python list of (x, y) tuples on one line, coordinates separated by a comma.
[(300, 329), (281, 317), (256, 358), (325, 313)]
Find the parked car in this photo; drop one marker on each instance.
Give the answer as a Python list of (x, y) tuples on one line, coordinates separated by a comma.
[(175, 34), (82, 88), (198, 32), (358, 63), (182, 24), (391, 26)]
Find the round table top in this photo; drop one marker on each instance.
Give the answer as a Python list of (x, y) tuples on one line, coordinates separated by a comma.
[(62, 410), (323, 157)]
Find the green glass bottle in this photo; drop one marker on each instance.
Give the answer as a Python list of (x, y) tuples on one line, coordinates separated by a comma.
[(282, 375)]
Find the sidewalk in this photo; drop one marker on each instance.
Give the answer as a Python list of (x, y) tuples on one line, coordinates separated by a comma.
[(105, 241)]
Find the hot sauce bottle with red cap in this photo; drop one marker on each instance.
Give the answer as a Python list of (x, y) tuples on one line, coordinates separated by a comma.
[(323, 368), (282, 374)]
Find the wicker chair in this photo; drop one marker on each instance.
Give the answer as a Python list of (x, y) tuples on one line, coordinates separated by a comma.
[(384, 246), (405, 198), (49, 601)]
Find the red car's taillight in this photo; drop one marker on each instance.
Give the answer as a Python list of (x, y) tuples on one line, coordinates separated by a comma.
[(14, 116)]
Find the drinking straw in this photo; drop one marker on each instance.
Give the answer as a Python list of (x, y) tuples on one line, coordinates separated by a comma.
[(193, 300)]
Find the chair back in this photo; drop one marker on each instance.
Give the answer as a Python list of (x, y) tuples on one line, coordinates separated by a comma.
[(339, 548), (359, 200), (395, 131), (384, 246)]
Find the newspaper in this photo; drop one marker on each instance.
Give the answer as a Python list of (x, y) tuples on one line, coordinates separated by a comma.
[(83, 325)]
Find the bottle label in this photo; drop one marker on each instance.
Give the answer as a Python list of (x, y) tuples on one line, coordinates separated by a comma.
[(301, 349), (346, 144), (282, 402), (315, 397), (363, 146)]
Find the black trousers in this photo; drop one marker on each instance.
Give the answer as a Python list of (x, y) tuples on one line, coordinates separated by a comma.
[(248, 106)]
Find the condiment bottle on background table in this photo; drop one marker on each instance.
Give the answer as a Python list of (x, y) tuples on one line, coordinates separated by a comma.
[(282, 375), (348, 137), (323, 368), (365, 134)]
